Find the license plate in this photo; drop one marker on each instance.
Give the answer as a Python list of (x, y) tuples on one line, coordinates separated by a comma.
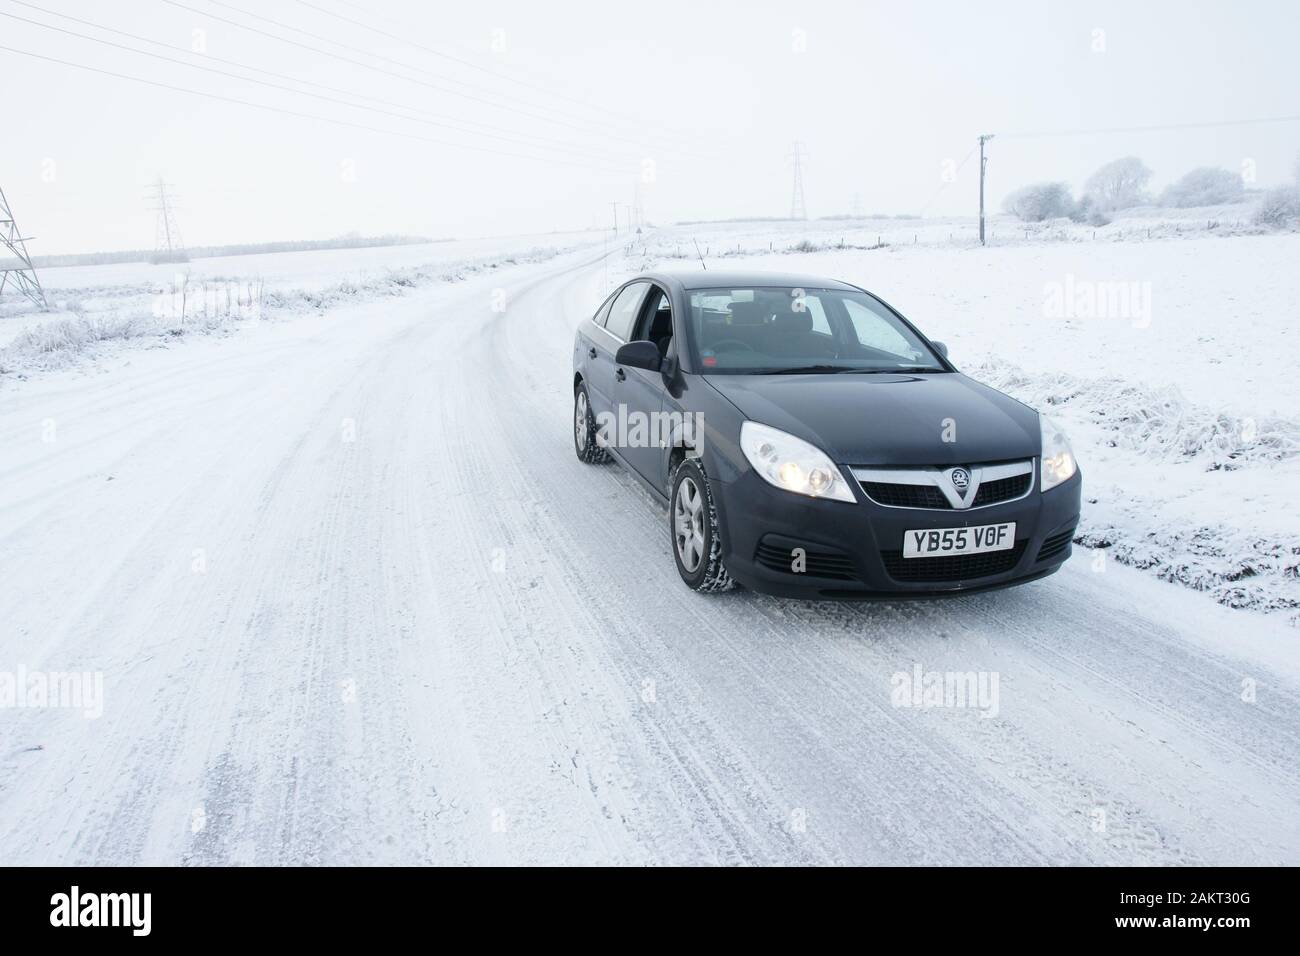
[(933, 542)]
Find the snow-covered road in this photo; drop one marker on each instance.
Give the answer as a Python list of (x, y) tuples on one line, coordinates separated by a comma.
[(354, 600)]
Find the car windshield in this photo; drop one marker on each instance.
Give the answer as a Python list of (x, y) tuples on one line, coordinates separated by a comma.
[(788, 330)]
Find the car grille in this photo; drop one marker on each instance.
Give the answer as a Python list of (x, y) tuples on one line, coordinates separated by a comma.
[(927, 487), (956, 567), (907, 496), (819, 563), (1055, 544), (1002, 489)]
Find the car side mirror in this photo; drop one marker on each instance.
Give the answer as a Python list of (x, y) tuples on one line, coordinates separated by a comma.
[(940, 348), (643, 354)]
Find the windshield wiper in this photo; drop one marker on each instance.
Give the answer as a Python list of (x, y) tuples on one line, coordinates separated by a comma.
[(905, 370), (836, 369), (810, 369)]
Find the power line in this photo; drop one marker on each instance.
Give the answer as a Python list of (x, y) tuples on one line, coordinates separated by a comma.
[(455, 59), (947, 182), (1166, 127), (376, 69), (363, 52), (487, 130), (275, 86), (310, 116)]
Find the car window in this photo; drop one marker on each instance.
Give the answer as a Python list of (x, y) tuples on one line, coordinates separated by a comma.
[(603, 312), (819, 323), (875, 330), (784, 329), (656, 323), (623, 312), (656, 316)]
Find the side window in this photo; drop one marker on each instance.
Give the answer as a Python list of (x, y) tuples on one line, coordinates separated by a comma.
[(656, 317), (876, 332), (623, 312), (603, 312), (819, 323)]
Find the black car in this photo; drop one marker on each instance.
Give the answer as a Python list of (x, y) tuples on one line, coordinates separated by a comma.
[(811, 442)]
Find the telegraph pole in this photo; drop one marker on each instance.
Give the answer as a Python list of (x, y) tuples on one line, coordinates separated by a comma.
[(984, 138), (614, 205), (23, 275)]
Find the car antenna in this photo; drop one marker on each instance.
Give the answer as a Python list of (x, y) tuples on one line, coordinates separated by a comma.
[(697, 252)]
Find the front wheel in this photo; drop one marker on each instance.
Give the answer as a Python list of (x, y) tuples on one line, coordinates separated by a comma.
[(697, 542), (584, 430)]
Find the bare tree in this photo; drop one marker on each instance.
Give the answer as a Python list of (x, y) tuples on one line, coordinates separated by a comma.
[(1119, 184), (1039, 201), (1206, 186)]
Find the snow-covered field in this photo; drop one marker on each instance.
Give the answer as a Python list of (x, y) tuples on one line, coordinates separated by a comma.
[(351, 599), (104, 303), (308, 270)]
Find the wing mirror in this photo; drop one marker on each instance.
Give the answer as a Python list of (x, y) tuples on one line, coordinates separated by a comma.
[(940, 348), (643, 354)]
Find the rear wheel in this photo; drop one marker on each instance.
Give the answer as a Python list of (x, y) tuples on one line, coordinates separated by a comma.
[(584, 430), (697, 542)]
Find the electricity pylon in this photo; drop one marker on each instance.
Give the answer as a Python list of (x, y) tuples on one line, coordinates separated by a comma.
[(798, 208), (12, 243), (167, 234)]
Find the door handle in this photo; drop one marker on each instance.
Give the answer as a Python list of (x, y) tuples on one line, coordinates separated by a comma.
[(591, 352), (620, 375)]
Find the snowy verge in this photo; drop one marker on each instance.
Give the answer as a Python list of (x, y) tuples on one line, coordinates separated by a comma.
[(149, 315), (1194, 495)]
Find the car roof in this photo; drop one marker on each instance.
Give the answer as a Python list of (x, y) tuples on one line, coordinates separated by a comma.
[(732, 279)]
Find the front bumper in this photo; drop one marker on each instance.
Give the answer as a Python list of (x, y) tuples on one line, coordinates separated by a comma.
[(854, 550)]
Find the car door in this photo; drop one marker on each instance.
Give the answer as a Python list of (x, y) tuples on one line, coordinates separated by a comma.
[(605, 341), (638, 393), (585, 352)]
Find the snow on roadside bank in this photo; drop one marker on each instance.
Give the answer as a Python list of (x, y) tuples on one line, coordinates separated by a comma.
[(1195, 495), (153, 314)]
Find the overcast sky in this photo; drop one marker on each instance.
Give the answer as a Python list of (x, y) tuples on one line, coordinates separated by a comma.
[(706, 99)]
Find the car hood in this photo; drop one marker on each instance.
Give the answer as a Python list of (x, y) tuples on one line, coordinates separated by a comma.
[(889, 419)]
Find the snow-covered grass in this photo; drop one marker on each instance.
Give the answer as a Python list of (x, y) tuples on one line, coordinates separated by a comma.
[(317, 268), (1170, 360), (724, 240), (85, 320), (1195, 494)]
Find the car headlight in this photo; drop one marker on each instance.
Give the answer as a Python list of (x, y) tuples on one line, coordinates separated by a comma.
[(1058, 462), (792, 464)]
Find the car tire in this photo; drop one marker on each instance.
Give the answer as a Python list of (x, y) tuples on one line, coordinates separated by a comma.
[(693, 524), (584, 430)]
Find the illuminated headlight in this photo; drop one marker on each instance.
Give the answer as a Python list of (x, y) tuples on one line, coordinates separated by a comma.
[(1058, 463), (792, 464)]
